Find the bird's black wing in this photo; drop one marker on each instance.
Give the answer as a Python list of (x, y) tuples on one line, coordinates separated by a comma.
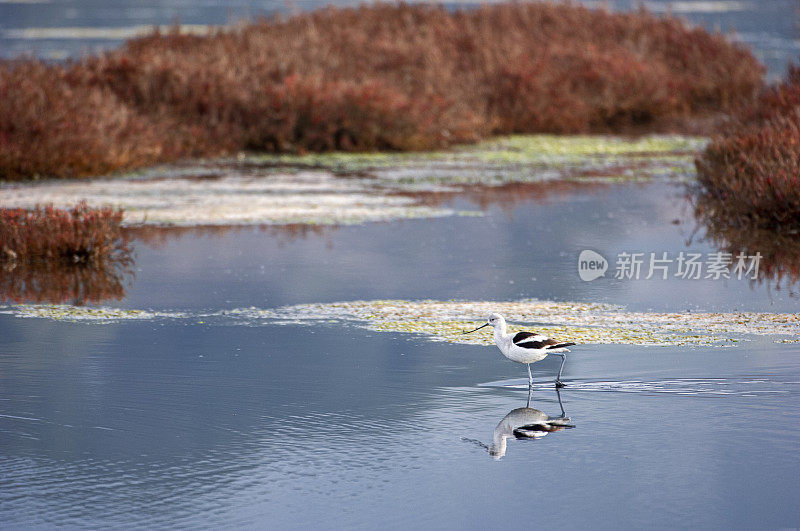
[(532, 340)]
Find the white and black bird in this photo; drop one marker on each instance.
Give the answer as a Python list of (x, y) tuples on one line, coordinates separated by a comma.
[(526, 347)]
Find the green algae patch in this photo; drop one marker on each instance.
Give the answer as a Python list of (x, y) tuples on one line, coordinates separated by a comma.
[(582, 323), (511, 159), (66, 312), (453, 332), (585, 323), (527, 149)]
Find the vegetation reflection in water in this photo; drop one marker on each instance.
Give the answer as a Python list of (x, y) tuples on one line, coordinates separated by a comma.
[(76, 284), (779, 249)]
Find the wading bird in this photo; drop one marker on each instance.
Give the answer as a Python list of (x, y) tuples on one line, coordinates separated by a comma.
[(525, 347)]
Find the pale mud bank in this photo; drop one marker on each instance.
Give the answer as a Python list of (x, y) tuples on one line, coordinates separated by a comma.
[(338, 188), (99, 33), (584, 323), (315, 198)]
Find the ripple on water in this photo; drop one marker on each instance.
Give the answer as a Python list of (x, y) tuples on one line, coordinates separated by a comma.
[(701, 387)]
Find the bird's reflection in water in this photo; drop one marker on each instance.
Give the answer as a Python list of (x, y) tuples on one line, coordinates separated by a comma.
[(524, 423)]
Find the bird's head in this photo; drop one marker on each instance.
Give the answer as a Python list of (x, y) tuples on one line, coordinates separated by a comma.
[(495, 320)]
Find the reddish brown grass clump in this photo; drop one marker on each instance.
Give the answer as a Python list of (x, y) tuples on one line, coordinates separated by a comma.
[(749, 175), (80, 235), (393, 77), (54, 255), (50, 125), (749, 183)]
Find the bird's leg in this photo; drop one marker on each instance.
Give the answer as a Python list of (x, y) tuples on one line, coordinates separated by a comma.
[(530, 390), (558, 392), (530, 376), (559, 383)]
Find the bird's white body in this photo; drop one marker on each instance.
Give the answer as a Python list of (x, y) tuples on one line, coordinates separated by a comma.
[(525, 347), (505, 342)]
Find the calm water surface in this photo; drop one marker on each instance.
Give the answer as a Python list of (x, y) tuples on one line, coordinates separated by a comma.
[(161, 423)]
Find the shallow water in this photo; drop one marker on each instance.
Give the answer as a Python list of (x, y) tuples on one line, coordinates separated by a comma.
[(246, 426), (210, 422), (521, 247)]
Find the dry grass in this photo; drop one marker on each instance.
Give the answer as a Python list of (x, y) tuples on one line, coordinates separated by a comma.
[(749, 175), (57, 256), (50, 125), (81, 235), (749, 183), (386, 76)]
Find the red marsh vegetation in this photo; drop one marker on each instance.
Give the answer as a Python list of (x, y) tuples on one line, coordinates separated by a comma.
[(749, 175), (53, 255), (385, 76), (80, 235)]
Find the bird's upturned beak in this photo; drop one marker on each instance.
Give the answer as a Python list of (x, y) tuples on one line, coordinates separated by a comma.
[(487, 324)]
